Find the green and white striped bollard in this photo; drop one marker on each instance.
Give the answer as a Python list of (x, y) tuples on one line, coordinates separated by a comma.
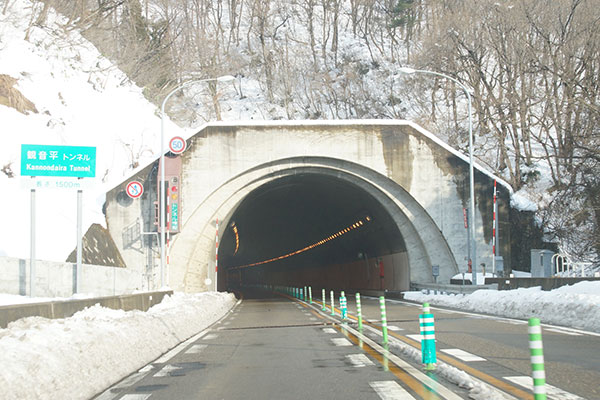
[(427, 328), (310, 294), (305, 294), (383, 320), (324, 300), (332, 303), (343, 306), (359, 311), (536, 351)]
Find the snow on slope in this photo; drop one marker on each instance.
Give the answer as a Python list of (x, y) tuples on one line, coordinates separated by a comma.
[(82, 100), (576, 306), (78, 357)]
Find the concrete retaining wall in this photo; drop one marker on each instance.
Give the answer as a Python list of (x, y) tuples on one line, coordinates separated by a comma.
[(65, 309), (56, 279)]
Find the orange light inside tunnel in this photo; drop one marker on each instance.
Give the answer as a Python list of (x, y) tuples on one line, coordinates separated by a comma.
[(339, 234)]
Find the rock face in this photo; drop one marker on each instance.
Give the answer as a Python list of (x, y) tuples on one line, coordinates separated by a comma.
[(98, 248)]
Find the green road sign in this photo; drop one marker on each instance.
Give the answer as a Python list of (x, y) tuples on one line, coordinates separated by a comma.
[(65, 161)]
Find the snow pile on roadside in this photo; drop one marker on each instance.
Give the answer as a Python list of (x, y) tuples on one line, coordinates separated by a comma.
[(576, 306), (77, 357)]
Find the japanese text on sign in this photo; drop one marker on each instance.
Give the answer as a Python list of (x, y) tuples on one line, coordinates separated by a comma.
[(64, 161)]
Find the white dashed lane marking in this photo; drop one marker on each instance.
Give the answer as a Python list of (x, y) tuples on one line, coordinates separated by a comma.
[(552, 391), (394, 328), (359, 360), (143, 396), (196, 349), (416, 337), (210, 336), (166, 371), (329, 330), (462, 355), (341, 342), (390, 390)]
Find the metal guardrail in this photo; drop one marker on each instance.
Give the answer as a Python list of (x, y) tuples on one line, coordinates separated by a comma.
[(66, 308)]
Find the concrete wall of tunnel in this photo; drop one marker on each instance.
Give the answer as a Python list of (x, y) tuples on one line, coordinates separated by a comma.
[(194, 248), (420, 182)]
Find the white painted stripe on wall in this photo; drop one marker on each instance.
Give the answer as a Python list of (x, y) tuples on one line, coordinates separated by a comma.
[(390, 390), (359, 360), (462, 355)]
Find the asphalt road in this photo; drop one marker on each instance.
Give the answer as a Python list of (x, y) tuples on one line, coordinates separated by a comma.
[(274, 347)]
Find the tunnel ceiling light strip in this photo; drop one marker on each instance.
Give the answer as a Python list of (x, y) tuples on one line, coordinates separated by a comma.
[(321, 242), (237, 237)]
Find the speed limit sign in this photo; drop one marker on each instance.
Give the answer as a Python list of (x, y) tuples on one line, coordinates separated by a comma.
[(135, 189), (177, 145)]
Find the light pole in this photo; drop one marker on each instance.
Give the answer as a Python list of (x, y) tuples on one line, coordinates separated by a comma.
[(471, 226), (162, 194)]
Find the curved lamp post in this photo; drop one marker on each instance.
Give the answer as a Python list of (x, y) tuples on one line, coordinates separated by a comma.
[(163, 200), (471, 226)]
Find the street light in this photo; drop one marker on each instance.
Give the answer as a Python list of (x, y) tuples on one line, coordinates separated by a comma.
[(163, 200), (471, 228)]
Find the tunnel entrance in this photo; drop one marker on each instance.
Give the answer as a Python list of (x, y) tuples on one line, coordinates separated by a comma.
[(310, 228)]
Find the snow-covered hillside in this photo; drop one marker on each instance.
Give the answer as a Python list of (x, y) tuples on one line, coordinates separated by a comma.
[(81, 100)]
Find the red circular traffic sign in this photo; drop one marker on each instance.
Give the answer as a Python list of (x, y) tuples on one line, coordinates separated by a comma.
[(135, 189), (177, 145)]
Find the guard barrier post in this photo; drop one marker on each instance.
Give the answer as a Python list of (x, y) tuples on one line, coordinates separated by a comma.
[(537, 359), (310, 294), (343, 306), (332, 303), (383, 320), (427, 327), (359, 312), (324, 300)]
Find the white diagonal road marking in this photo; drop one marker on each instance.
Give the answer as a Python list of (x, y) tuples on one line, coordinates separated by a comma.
[(462, 355), (390, 390)]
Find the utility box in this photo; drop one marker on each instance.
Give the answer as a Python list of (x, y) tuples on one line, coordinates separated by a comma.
[(541, 263), (499, 266)]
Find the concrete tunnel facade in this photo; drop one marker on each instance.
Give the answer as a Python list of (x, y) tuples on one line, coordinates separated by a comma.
[(287, 185)]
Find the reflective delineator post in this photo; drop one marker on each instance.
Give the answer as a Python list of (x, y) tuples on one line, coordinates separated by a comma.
[(310, 294), (332, 303), (305, 294), (343, 306), (537, 359), (324, 300), (427, 327), (359, 311), (383, 320), (301, 294)]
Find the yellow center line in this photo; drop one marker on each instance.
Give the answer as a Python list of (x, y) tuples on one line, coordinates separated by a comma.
[(500, 384), (420, 389)]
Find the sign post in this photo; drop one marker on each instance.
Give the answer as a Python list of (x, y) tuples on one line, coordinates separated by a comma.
[(57, 161)]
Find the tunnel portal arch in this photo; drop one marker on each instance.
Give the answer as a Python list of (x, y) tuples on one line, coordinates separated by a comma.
[(193, 250)]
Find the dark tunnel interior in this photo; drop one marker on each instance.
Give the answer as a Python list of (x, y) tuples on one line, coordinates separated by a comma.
[(294, 212)]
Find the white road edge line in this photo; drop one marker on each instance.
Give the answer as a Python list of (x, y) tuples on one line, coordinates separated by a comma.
[(140, 396), (108, 394), (390, 390)]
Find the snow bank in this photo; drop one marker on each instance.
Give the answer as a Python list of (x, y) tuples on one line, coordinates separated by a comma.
[(576, 306), (77, 357)]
